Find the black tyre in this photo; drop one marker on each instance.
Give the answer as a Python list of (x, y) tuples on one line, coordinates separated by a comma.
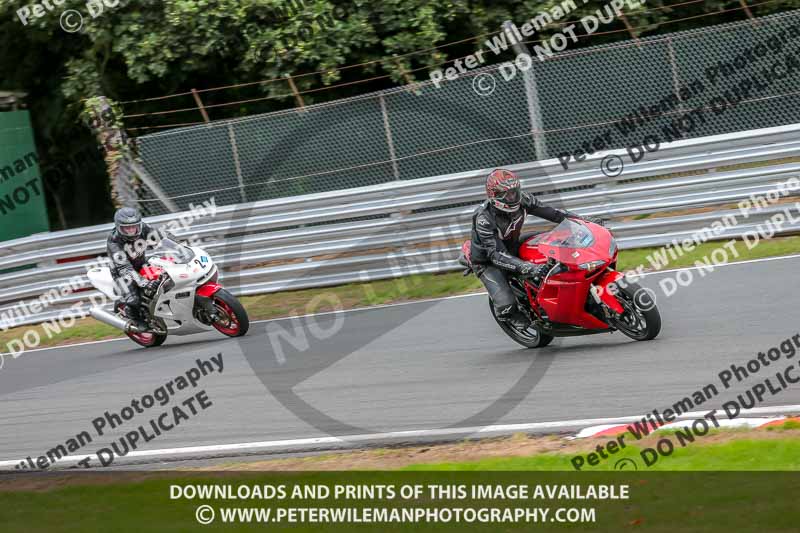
[(233, 320), (148, 340), (640, 319), (531, 337)]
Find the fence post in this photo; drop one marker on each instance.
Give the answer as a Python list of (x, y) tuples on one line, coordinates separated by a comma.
[(297, 95), (676, 84), (532, 95), (200, 106), (236, 163), (747, 9), (630, 29), (389, 139)]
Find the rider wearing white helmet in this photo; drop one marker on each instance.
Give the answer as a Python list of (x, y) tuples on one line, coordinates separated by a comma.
[(126, 247)]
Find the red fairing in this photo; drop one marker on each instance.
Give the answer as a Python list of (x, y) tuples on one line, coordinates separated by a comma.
[(208, 290), (151, 273), (563, 295), (530, 252), (608, 295)]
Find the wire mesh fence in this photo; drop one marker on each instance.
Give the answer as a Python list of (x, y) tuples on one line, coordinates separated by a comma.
[(724, 78)]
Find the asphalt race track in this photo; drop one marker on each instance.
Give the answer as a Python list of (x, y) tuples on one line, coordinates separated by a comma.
[(409, 367)]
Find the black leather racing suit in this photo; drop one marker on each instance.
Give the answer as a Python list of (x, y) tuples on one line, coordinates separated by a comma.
[(495, 245), (127, 257)]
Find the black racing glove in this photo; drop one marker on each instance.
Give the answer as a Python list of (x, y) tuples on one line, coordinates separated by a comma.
[(592, 219), (526, 269), (536, 272), (595, 220), (151, 288), (128, 275)]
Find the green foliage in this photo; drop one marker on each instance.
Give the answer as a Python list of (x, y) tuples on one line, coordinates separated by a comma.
[(148, 48)]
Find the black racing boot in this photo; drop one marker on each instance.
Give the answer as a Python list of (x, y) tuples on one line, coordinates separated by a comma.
[(134, 313), (519, 321), (514, 317)]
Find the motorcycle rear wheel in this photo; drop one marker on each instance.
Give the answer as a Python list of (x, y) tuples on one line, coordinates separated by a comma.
[(531, 337), (148, 340)]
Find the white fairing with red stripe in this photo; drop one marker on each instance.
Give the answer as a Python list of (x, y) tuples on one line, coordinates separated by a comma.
[(187, 268), (101, 279), (176, 306)]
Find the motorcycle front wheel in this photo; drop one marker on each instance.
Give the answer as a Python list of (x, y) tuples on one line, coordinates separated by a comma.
[(232, 319), (640, 319), (531, 337)]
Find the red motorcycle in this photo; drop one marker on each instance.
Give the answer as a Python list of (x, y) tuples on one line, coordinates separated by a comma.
[(581, 293)]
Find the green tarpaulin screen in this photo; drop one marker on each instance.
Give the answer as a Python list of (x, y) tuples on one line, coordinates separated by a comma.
[(22, 205)]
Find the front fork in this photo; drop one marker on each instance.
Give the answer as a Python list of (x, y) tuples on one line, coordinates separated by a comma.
[(206, 310), (204, 301), (605, 289)]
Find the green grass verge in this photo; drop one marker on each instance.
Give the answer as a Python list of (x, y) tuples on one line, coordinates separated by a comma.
[(630, 259), (737, 455), (696, 497), (663, 502), (354, 295)]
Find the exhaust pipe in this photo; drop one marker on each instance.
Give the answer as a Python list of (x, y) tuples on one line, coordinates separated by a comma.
[(113, 320)]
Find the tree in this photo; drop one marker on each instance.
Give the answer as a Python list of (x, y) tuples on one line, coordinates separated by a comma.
[(149, 48)]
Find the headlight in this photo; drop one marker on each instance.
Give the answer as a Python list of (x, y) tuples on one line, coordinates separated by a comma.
[(612, 249), (591, 265)]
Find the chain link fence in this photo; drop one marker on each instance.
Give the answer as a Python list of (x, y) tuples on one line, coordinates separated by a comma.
[(724, 78)]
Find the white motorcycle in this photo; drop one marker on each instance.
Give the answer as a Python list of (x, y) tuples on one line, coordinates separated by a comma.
[(188, 298)]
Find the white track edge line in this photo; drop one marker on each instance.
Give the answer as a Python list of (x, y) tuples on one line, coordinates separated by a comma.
[(352, 439)]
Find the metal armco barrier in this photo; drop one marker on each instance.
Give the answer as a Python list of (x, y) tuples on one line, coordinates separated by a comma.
[(401, 228)]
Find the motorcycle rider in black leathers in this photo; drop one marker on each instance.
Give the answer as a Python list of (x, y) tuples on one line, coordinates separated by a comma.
[(126, 247), (496, 228)]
